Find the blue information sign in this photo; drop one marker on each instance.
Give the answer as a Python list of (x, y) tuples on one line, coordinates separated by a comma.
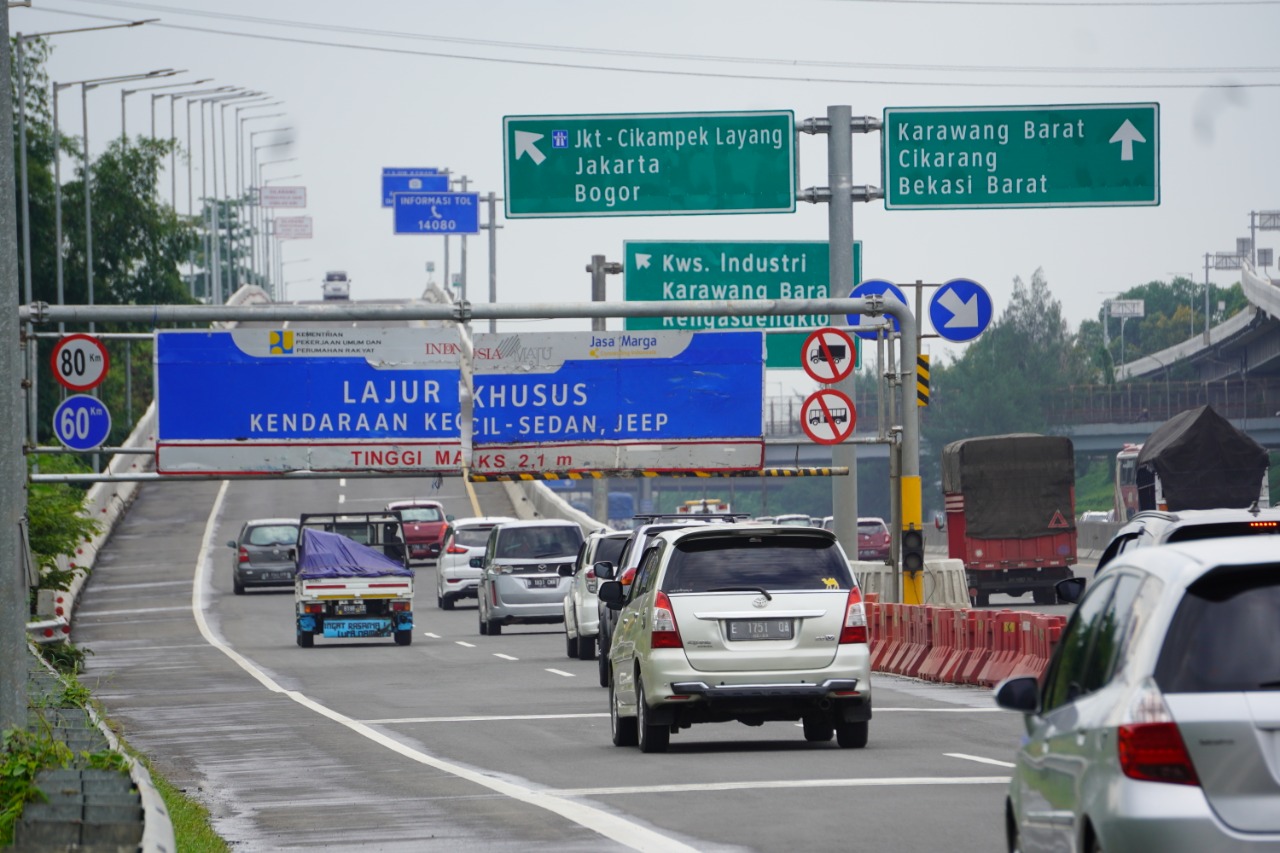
[(333, 399), (411, 181), (875, 287), (82, 422), (960, 310), (437, 213), (658, 400)]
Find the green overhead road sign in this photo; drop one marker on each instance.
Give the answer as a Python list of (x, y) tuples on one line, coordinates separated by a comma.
[(677, 271), (649, 163), (1090, 155)]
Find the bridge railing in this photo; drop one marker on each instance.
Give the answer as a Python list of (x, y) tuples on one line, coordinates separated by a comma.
[(1130, 402)]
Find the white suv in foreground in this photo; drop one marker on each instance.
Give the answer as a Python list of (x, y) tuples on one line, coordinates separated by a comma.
[(739, 622)]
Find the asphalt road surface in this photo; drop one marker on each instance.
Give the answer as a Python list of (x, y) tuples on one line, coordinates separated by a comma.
[(495, 743)]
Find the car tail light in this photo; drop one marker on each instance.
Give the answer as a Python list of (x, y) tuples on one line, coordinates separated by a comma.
[(1150, 745), (666, 634), (400, 606), (854, 629), (315, 607), (457, 549), (627, 577), (591, 580), (244, 555)]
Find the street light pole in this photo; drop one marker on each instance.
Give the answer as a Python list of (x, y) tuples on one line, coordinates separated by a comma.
[(125, 93), (240, 193), (173, 140), (267, 254)]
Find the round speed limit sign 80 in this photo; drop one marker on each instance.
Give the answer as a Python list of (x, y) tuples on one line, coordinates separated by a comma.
[(80, 362)]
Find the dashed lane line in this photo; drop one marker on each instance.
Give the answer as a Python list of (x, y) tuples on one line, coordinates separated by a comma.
[(431, 635), (464, 644), (979, 759), (561, 672), (504, 657)]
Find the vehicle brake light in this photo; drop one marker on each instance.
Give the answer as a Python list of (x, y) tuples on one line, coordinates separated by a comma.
[(854, 629), (457, 549), (1150, 746), (666, 634), (627, 577), (400, 606), (244, 555), (315, 607), (1264, 525), (591, 580)]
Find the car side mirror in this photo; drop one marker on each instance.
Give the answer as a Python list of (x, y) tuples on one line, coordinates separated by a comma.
[(1070, 590), (450, 517), (476, 562), (605, 570), (565, 571), (1021, 694), (610, 593), (231, 543)]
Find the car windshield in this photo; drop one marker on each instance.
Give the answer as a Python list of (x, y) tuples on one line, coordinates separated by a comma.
[(795, 562), (536, 542), (1225, 635), (274, 534), (422, 513), (472, 537)]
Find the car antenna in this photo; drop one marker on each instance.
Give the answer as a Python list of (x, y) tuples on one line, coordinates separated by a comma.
[(1253, 508)]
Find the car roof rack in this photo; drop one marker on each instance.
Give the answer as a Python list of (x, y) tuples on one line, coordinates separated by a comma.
[(654, 517)]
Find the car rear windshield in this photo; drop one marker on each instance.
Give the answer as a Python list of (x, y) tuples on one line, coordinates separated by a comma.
[(472, 537), (1225, 635), (872, 527), (1194, 532), (275, 534), (422, 513), (537, 542), (777, 562), (610, 549)]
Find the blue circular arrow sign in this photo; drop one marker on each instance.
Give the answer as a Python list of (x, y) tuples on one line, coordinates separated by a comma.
[(960, 310), (82, 422), (875, 287)]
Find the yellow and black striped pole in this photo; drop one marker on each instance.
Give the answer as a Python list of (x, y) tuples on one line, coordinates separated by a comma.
[(922, 380)]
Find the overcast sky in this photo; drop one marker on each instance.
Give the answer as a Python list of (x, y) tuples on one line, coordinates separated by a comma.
[(420, 83)]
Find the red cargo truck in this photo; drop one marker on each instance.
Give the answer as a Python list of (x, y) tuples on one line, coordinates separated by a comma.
[(1010, 502)]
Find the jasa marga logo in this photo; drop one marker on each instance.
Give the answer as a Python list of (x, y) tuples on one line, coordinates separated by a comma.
[(280, 342)]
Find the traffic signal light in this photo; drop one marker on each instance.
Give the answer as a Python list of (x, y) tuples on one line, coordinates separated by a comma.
[(912, 550)]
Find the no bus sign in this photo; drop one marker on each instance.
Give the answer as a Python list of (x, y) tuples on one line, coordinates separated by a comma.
[(80, 362), (828, 416), (829, 356)]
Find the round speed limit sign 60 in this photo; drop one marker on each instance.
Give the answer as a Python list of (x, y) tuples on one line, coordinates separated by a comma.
[(82, 422), (80, 362)]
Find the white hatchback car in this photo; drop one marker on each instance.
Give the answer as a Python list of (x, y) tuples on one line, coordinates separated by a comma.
[(739, 622), (581, 608), (465, 539)]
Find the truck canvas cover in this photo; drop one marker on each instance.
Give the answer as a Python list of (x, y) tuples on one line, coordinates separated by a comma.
[(1203, 462), (1013, 485), (332, 555)]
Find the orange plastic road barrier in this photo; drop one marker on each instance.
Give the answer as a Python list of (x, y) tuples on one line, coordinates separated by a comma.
[(942, 628), (983, 646), (1005, 649), (962, 633)]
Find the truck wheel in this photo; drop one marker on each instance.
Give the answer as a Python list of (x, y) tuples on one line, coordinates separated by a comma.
[(495, 627), (403, 638), (586, 647), (852, 735), (1047, 595), (982, 599), (306, 639)]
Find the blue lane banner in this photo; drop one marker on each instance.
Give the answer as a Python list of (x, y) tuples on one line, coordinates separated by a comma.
[(437, 213), (617, 399), (353, 398), (411, 181)]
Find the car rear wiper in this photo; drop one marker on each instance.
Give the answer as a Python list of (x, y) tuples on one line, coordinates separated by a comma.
[(758, 589), (1269, 685)]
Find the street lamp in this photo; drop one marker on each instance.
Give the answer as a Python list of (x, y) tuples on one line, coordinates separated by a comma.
[(125, 93), (284, 285), (173, 140), (216, 234), (254, 182), (210, 248), (239, 131)]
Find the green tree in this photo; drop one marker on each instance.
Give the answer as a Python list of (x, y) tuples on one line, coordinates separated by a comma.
[(56, 526)]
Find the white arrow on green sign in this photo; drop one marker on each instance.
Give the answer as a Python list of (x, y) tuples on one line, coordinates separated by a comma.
[(1092, 155), (649, 163), (687, 270)]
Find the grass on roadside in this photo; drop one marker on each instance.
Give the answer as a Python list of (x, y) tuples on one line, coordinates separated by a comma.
[(191, 827)]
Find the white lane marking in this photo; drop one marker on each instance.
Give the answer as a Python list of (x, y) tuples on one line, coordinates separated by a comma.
[(342, 499), (946, 710), (504, 657), (979, 759), (625, 832), (481, 719), (465, 645), (900, 782), (431, 635), (561, 672), (342, 482), (127, 612)]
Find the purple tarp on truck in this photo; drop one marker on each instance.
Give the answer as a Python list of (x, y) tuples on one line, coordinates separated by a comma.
[(332, 555)]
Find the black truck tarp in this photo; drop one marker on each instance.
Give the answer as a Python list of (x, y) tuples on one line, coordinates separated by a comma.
[(1203, 462), (1014, 485)]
